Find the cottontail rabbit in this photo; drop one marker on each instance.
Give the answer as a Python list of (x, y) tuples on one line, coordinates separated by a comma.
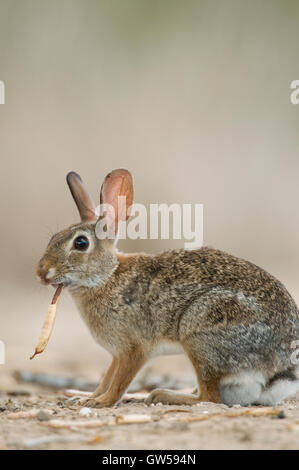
[(234, 321)]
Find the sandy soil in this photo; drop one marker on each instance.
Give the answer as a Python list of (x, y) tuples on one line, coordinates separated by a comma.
[(168, 427), (72, 353)]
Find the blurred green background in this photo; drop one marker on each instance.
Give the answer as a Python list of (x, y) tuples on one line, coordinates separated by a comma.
[(192, 97)]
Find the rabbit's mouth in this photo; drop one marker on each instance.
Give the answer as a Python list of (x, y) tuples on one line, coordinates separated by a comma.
[(50, 277), (63, 280), (56, 284), (52, 282), (59, 282)]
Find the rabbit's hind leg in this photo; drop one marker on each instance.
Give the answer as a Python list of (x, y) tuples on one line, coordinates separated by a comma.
[(209, 391), (169, 397)]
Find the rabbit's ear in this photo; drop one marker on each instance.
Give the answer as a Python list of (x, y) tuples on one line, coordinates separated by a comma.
[(117, 193), (83, 200)]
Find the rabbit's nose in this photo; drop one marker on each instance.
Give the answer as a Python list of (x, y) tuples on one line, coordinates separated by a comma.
[(46, 274), (50, 274)]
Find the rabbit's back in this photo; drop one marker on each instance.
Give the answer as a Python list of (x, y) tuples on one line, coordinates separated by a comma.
[(215, 270), (177, 291)]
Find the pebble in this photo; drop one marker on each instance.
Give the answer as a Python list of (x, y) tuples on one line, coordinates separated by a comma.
[(43, 415), (281, 415), (86, 412)]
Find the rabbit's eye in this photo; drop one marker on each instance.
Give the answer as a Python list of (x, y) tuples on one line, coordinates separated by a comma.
[(81, 243)]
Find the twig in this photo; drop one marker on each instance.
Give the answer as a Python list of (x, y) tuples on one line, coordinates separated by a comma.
[(37, 441), (76, 393), (96, 423), (66, 424), (133, 419), (80, 393), (253, 412)]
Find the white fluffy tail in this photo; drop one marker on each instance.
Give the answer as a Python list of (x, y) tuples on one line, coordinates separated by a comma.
[(250, 388), (278, 391)]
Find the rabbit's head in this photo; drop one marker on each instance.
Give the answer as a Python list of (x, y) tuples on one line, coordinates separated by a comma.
[(84, 254)]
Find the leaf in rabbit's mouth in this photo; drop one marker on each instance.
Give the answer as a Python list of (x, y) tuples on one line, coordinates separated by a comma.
[(48, 323)]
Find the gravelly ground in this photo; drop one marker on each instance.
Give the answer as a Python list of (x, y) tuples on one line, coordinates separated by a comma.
[(72, 352), (169, 426)]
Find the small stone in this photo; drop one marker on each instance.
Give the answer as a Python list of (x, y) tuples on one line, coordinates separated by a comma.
[(43, 415), (281, 415), (156, 417), (86, 412)]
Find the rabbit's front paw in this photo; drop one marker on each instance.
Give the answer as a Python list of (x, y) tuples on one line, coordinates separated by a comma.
[(102, 401), (77, 400)]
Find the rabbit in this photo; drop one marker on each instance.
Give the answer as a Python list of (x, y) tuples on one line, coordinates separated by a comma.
[(235, 322)]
